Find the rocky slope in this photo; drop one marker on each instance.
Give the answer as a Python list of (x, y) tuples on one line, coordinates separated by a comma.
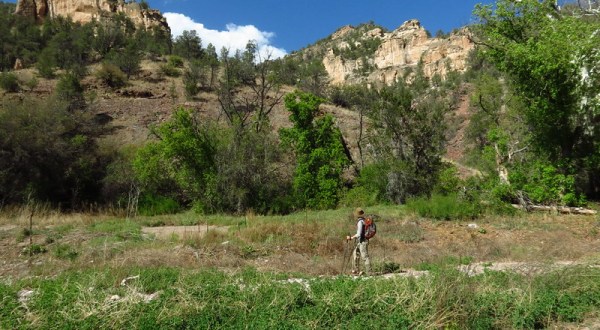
[(84, 11), (398, 53)]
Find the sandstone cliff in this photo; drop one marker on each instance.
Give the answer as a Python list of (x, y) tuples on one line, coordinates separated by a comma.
[(397, 52), (85, 11)]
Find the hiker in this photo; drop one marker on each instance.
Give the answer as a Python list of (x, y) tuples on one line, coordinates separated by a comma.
[(361, 249)]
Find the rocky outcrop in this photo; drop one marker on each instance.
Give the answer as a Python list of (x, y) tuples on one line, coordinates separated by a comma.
[(399, 53), (84, 11)]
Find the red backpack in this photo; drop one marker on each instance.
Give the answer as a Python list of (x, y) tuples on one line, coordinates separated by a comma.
[(370, 227)]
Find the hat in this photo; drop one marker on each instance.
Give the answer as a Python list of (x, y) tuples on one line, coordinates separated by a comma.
[(359, 212)]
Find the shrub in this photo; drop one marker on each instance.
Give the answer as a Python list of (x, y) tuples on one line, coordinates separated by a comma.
[(31, 83), (69, 89), (175, 61), (111, 75), (170, 71), (9, 82), (448, 181), (440, 207), (66, 252), (545, 184), (359, 195), (150, 205), (46, 64)]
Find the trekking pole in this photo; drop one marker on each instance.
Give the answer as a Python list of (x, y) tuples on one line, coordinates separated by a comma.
[(343, 268), (347, 255)]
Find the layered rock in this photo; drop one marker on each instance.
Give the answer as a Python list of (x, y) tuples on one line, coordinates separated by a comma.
[(84, 11), (400, 51)]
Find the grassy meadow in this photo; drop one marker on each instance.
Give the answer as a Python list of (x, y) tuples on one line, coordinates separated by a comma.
[(103, 271)]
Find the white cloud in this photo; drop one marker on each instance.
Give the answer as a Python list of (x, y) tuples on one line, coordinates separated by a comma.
[(234, 37)]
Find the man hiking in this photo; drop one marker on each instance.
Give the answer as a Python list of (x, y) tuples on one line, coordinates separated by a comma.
[(362, 244)]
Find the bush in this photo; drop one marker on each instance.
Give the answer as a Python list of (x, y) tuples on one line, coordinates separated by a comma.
[(448, 181), (111, 75), (150, 205), (170, 71), (545, 184), (128, 59), (69, 89), (359, 195), (440, 207), (9, 82), (46, 64), (175, 61)]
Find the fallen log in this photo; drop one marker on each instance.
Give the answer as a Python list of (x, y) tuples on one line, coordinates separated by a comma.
[(557, 209)]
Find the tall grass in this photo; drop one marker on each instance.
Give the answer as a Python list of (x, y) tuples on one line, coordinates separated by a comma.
[(173, 298)]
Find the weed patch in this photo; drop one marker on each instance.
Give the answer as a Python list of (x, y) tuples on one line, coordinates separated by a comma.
[(168, 297), (441, 207)]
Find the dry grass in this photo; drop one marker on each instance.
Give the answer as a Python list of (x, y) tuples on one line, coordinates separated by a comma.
[(306, 242)]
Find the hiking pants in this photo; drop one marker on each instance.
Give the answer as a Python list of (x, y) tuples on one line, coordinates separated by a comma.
[(361, 250)]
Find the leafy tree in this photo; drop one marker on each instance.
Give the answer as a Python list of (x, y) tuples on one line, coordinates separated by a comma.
[(50, 153), (359, 98), (201, 164), (109, 35), (313, 77), (320, 154), (184, 155), (406, 142), (533, 42), (70, 43), (250, 173)]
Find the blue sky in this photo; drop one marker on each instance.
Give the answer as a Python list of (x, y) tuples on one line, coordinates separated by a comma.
[(282, 26)]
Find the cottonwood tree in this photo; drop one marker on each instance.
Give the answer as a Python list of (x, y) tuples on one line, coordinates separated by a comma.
[(552, 59), (319, 151)]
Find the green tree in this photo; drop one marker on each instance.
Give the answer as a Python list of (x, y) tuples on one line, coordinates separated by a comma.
[(319, 150), (209, 167), (128, 59), (70, 91), (194, 77), (313, 77), (188, 45), (183, 155), (551, 57), (212, 60), (406, 140), (50, 153)]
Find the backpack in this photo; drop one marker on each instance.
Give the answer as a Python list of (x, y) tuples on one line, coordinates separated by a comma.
[(370, 228)]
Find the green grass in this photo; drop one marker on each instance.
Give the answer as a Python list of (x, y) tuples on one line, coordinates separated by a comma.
[(440, 207), (185, 299)]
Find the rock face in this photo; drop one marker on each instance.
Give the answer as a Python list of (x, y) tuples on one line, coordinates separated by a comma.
[(84, 11), (399, 51)]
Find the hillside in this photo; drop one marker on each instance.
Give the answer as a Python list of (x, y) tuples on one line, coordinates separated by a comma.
[(375, 114)]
